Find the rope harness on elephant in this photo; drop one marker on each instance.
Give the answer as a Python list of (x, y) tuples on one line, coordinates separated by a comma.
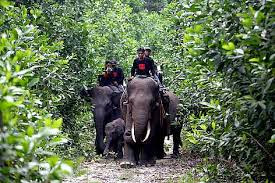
[(116, 89), (161, 113)]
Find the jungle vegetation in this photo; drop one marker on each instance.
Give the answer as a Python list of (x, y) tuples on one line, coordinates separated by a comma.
[(217, 55)]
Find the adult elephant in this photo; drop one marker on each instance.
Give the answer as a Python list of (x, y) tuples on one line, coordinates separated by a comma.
[(106, 109), (141, 109), (171, 126)]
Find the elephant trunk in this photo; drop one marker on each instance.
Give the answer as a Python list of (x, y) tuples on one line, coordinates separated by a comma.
[(140, 129), (107, 147), (148, 131), (99, 124)]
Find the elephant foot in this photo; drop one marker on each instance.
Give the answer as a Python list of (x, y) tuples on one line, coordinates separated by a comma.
[(148, 163), (175, 155), (98, 152), (127, 164), (119, 156), (106, 157), (161, 155)]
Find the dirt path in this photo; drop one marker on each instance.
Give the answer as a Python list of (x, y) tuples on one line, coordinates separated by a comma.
[(109, 171)]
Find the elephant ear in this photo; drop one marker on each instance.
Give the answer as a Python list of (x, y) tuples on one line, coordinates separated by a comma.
[(156, 94), (91, 92), (87, 93)]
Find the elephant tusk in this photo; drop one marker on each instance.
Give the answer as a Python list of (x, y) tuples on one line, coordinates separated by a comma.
[(133, 132), (148, 132)]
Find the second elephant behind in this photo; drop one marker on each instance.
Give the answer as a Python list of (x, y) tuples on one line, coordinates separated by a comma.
[(171, 126)]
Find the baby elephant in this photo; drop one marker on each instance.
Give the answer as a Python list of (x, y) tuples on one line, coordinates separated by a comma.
[(114, 137)]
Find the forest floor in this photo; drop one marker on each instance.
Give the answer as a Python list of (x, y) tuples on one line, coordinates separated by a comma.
[(109, 171)]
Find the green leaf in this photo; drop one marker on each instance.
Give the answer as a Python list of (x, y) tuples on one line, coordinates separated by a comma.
[(197, 28), (57, 123), (247, 22), (48, 131), (48, 122), (30, 131), (230, 46), (239, 51), (203, 126), (23, 72), (187, 38), (192, 140), (4, 3), (262, 104), (33, 82), (272, 140), (259, 17), (53, 160), (213, 124), (58, 141), (268, 84), (254, 60), (66, 168)]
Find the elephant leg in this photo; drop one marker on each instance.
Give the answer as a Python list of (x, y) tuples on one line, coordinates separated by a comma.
[(177, 141), (129, 157), (147, 157), (119, 149), (99, 144), (100, 122), (107, 148), (137, 153), (160, 148), (160, 153)]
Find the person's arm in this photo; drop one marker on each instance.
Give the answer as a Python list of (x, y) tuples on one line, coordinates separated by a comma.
[(133, 69), (152, 65), (121, 76), (99, 79)]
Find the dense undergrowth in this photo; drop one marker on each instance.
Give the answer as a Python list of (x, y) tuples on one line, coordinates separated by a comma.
[(218, 56)]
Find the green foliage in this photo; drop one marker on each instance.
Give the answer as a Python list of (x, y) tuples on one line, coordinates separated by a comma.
[(215, 171), (225, 64), (218, 56), (27, 132)]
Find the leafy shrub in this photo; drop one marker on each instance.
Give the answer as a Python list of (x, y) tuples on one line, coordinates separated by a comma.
[(226, 66), (27, 131)]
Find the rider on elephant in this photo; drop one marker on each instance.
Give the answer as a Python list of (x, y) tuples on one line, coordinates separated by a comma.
[(147, 53), (117, 75), (158, 78), (142, 65), (105, 79), (112, 77)]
